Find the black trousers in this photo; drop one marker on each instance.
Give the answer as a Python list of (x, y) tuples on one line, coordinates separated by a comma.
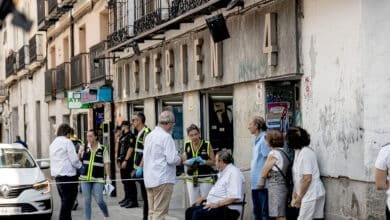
[(145, 198), (68, 194), (387, 213), (221, 213), (129, 186)]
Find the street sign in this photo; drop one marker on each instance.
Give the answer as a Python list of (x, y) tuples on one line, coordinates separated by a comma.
[(74, 101)]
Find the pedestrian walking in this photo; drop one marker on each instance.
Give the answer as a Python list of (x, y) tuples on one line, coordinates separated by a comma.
[(125, 160), (95, 172), (138, 119), (64, 164), (160, 161), (260, 151), (309, 192), (275, 170), (19, 141), (199, 159)]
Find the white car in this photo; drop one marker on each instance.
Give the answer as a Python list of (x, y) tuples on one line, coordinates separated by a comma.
[(24, 189)]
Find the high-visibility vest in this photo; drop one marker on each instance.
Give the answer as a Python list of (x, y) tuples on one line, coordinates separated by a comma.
[(93, 165), (203, 151), (139, 147)]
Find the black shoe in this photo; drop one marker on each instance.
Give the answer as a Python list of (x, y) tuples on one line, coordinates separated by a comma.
[(234, 3), (131, 205), (125, 203), (75, 205)]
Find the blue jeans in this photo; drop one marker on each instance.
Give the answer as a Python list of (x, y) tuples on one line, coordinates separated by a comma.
[(95, 189), (260, 204)]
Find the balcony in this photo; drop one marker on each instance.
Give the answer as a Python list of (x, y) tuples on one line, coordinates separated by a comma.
[(155, 17), (49, 85), (58, 7), (149, 14), (10, 65), (42, 15), (98, 73), (62, 79), (79, 68), (36, 51), (23, 57), (3, 91)]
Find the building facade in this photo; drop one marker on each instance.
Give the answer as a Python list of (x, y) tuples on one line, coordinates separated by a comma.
[(318, 64)]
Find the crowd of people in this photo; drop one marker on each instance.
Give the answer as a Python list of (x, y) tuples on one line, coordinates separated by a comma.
[(150, 157)]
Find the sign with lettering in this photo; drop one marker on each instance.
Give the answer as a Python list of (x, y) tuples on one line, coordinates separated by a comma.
[(74, 101)]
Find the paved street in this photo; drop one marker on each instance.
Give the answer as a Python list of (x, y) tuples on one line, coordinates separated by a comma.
[(176, 211)]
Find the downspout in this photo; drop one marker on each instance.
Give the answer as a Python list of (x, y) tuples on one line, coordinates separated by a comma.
[(71, 36)]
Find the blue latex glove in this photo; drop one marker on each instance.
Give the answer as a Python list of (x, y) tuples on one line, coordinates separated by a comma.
[(139, 172), (200, 160), (191, 161)]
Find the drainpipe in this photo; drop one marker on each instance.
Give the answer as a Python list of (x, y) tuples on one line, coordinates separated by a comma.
[(71, 36)]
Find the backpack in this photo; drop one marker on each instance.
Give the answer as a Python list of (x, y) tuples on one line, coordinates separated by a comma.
[(288, 177)]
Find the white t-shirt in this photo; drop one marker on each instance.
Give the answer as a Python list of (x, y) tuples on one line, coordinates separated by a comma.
[(305, 162), (279, 159), (383, 163)]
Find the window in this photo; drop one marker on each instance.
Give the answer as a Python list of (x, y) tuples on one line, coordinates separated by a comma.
[(15, 158)]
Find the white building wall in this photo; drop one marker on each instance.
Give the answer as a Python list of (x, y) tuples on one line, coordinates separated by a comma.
[(345, 53)]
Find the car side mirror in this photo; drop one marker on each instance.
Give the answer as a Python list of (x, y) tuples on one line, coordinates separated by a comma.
[(44, 165)]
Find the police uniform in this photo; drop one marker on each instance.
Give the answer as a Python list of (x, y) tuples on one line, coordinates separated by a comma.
[(127, 141), (198, 186)]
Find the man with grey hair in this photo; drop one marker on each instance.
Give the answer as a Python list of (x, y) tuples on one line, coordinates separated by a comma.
[(221, 202), (160, 161)]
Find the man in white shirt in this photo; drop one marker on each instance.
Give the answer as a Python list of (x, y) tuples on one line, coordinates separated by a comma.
[(160, 161), (382, 177), (64, 164), (228, 190)]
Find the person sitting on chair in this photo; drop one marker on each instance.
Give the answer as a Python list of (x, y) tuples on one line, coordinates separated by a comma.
[(228, 190)]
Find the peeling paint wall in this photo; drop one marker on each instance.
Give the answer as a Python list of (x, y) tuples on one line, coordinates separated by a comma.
[(344, 55)]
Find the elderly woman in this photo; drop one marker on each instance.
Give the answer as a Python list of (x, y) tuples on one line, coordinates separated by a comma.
[(309, 192), (275, 169)]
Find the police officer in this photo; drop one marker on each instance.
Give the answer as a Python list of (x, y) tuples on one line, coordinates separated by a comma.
[(138, 120), (125, 160), (199, 161)]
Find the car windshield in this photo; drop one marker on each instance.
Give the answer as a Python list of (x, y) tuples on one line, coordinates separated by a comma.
[(15, 158)]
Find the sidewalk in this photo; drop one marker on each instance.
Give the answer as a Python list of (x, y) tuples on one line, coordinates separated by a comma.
[(176, 208)]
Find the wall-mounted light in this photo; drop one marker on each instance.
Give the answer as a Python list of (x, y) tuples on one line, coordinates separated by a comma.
[(217, 27)]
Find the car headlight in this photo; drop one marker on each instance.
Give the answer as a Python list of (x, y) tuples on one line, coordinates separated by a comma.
[(43, 187)]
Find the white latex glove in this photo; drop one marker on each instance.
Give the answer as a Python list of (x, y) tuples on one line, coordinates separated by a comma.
[(108, 180)]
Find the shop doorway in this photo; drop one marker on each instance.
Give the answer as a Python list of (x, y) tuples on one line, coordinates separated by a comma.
[(217, 116), (98, 119)]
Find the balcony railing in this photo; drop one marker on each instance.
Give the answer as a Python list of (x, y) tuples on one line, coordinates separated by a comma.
[(10, 65), (3, 90), (97, 72), (58, 7), (49, 84), (62, 77), (179, 7), (36, 48), (79, 68), (23, 58), (149, 14), (53, 4), (42, 15)]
